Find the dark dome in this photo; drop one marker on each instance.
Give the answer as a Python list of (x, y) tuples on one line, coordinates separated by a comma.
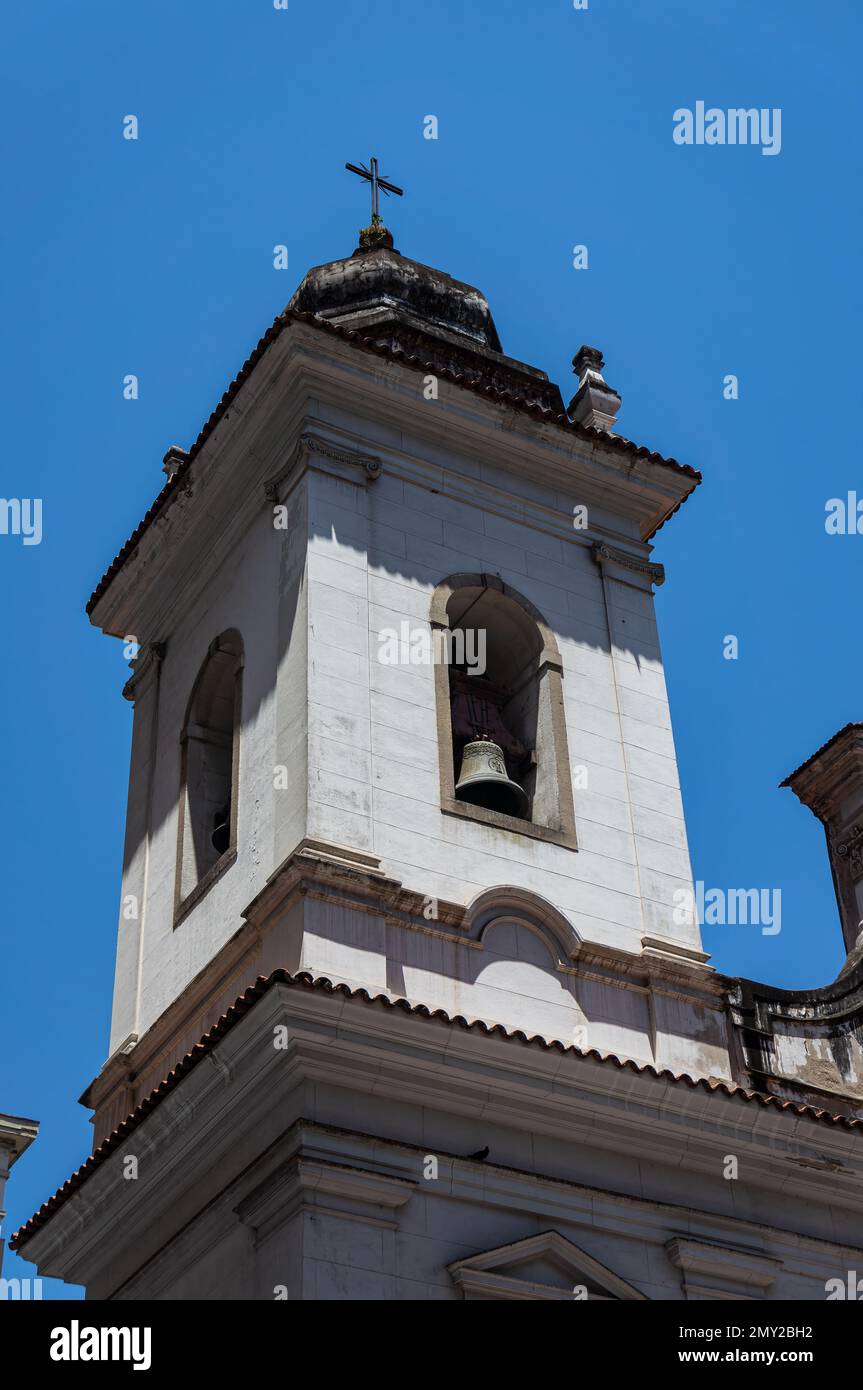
[(374, 286)]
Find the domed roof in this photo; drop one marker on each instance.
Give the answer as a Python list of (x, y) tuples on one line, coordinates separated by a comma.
[(377, 284)]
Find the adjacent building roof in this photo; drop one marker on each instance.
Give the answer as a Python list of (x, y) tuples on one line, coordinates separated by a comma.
[(303, 980), (16, 1135), (840, 733)]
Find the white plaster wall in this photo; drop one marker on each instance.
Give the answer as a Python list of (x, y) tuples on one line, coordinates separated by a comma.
[(321, 1256), (509, 977), (243, 595), (376, 555), (358, 738), (530, 1184)]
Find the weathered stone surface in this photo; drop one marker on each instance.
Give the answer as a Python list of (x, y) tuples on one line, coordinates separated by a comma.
[(805, 1044), (370, 285)]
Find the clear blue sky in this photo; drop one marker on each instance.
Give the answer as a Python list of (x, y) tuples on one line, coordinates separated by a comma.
[(555, 128)]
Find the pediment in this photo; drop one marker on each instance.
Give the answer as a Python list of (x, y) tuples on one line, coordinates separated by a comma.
[(545, 1267)]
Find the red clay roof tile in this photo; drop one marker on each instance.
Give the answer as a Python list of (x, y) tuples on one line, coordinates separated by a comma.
[(303, 980)]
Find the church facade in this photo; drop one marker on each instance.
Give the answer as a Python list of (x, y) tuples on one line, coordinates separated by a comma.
[(410, 999)]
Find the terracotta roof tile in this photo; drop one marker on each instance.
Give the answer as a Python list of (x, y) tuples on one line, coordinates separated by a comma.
[(840, 733), (303, 980)]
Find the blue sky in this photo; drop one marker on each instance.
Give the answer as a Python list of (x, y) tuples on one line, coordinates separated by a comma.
[(555, 128)]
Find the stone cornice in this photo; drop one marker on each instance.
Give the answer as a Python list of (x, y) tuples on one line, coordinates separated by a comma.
[(355, 880), (16, 1135), (511, 387), (825, 778), (193, 525)]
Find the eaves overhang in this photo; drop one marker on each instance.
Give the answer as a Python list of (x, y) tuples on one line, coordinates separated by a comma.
[(570, 1056), (505, 385)]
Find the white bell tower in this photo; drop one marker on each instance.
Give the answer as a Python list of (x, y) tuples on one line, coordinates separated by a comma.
[(381, 489), (410, 1001)]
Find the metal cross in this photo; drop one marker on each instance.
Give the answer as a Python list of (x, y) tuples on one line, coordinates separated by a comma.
[(376, 182)]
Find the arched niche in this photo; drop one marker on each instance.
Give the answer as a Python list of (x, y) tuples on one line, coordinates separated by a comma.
[(479, 614), (508, 904), (209, 772)]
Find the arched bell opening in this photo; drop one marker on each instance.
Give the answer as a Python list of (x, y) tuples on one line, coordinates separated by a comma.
[(495, 653), (501, 725), (209, 766)]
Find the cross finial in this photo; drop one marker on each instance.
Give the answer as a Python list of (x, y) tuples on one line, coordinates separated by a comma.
[(377, 182)]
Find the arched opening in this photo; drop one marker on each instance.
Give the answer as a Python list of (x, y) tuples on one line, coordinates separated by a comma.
[(494, 686), (502, 734), (209, 765)]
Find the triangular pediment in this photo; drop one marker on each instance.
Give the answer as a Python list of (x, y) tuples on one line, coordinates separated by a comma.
[(543, 1267)]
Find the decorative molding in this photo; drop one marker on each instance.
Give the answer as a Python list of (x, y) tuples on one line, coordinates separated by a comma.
[(510, 903), (317, 370), (315, 444), (830, 783), (348, 878), (174, 460), (824, 1024), (494, 1273), (123, 1051), (16, 1135), (722, 1271), (369, 1197), (370, 462), (851, 848), (610, 555), (478, 1284), (143, 667), (451, 806), (672, 950), (343, 855), (334, 867)]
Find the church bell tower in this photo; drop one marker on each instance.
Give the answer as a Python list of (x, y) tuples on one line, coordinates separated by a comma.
[(407, 960), (395, 607)]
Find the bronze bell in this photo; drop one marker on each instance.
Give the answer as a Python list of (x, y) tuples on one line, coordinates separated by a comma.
[(483, 780), (221, 836)]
